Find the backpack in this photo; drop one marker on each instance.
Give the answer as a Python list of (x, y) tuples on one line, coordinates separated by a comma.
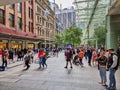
[(27, 58)]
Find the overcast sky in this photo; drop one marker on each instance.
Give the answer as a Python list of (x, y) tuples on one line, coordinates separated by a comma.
[(65, 3)]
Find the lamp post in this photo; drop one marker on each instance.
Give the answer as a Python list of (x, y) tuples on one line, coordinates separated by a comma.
[(46, 14)]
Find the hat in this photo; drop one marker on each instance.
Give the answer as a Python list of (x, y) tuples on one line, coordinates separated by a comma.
[(111, 49)]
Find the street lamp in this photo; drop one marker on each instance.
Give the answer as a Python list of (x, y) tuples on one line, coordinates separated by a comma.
[(46, 14)]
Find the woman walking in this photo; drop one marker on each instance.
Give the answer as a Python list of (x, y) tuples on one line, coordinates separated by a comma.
[(94, 57)]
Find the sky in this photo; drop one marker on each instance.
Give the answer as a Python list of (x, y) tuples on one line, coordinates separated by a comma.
[(65, 3)]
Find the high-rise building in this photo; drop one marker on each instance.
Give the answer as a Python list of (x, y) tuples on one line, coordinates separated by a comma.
[(67, 16)]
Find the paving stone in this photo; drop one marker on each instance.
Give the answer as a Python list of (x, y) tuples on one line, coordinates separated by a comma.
[(55, 77)]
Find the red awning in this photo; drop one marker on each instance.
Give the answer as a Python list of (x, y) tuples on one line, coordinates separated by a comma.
[(18, 33)]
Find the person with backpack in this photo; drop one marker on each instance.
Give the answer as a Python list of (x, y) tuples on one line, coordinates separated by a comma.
[(112, 65), (27, 58), (5, 58)]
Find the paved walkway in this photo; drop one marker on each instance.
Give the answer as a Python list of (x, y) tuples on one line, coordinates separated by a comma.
[(55, 77)]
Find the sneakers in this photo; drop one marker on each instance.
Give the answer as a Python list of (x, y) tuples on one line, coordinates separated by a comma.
[(111, 88), (103, 84), (65, 67), (100, 82)]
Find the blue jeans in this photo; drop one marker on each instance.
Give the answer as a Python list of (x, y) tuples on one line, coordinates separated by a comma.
[(112, 78), (40, 61), (103, 74)]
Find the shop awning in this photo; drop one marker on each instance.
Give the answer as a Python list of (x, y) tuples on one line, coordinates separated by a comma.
[(16, 33)]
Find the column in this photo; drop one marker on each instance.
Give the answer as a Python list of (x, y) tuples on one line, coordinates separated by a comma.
[(111, 37), (108, 39)]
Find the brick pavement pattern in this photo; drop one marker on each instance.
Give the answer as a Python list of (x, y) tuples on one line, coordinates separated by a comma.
[(55, 77)]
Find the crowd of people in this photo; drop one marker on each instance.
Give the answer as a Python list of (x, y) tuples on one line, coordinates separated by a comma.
[(106, 60), (26, 55)]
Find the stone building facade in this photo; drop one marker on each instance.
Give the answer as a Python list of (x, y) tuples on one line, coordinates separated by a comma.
[(45, 22)]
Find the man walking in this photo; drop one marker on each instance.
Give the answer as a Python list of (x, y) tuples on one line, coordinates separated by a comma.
[(68, 54), (27, 58)]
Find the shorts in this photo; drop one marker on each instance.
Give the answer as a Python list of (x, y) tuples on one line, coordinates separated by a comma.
[(68, 59)]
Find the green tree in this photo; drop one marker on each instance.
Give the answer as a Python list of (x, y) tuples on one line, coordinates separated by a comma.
[(59, 38), (100, 34), (73, 35)]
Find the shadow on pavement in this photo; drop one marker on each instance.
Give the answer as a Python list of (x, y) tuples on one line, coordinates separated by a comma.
[(69, 71)]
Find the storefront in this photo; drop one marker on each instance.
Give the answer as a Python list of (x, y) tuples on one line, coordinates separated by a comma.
[(3, 44), (31, 45), (16, 44)]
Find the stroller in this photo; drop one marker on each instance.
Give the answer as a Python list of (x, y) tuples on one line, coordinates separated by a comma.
[(76, 60)]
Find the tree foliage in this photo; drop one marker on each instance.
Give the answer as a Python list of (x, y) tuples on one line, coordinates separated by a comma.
[(72, 35), (100, 34), (59, 38)]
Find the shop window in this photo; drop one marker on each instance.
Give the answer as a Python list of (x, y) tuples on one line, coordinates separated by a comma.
[(19, 7), (2, 18), (30, 45), (11, 20), (15, 45), (19, 23), (3, 45)]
